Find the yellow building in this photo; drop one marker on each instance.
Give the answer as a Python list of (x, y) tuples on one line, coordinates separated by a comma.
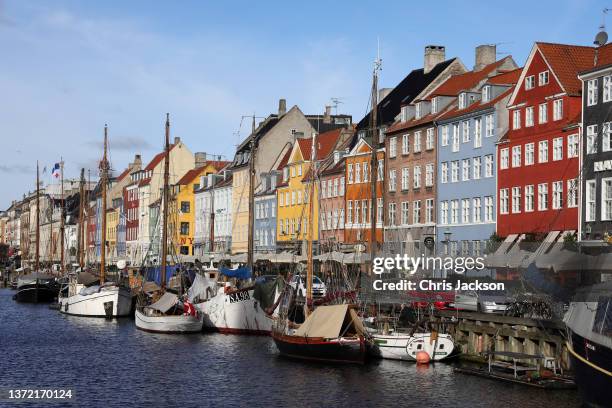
[(292, 195), (183, 216), (112, 221)]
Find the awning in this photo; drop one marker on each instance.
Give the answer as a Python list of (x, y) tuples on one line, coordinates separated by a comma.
[(325, 321), (499, 259), (165, 302)]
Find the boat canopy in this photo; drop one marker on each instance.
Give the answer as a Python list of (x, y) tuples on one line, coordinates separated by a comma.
[(243, 272), (165, 302), (331, 322)]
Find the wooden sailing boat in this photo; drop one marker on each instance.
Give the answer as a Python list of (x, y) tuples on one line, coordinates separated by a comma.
[(330, 333), (85, 295), (36, 287), (162, 311)]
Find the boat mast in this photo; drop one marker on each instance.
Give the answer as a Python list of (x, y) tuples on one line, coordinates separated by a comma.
[(374, 159), (251, 198), (62, 226), (165, 198), (311, 199), (212, 218), (103, 182), (37, 260), (51, 246), (81, 238)]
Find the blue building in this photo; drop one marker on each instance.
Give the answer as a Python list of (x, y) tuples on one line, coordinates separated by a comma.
[(265, 213), (468, 133)]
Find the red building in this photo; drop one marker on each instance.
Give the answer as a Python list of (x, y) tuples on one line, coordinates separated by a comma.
[(537, 160)]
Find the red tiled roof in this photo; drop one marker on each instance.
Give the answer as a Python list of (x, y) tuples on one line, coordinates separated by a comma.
[(190, 175), (399, 125), (123, 174), (454, 111), (218, 164), (325, 143), (144, 182), (157, 159), (506, 78), (284, 160)]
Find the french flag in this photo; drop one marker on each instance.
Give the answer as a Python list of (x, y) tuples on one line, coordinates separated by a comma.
[(56, 170)]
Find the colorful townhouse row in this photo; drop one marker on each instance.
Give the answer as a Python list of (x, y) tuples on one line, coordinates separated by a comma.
[(464, 157)]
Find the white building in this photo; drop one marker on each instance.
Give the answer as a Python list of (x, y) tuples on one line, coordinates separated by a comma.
[(217, 191)]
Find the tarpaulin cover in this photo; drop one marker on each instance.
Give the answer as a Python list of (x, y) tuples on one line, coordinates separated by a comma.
[(265, 292), (153, 274), (325, 321), (244, 272), (165, 302)]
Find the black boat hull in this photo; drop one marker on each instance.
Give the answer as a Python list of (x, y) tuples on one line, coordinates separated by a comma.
[(342, 350), (590, 361), (40, 293)]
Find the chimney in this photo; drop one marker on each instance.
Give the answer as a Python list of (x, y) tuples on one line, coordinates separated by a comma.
[(327, 115), (282, 107), (200, 159), (485, 54), (383, 92), (137, 163), (434, 54), (177, 140)]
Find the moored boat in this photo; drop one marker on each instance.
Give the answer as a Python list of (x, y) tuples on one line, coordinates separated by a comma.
[(168, 315), (405, 346), (36, 287)]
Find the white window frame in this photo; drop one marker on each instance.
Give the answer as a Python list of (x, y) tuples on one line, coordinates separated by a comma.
[(516, 156), (607, 88), (557, 195), (543, 78), (542, 196), (592, 92), (444, 172), (573, 146), (543, 113), (503, 201), (558, 109), (530, 82), (489, 165), (543, 151), (590, 200), (392, 147), (516, 200), (429, 139), (504, 158), (477, 132), (516, 119), (529, 116), (529, 198), (405, 144), (477, 167), (591, 139), (557, 148), (606, 199)]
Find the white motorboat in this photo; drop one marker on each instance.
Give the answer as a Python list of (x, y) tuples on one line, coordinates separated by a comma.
[(404, 346), (167, 315), (106, 300)]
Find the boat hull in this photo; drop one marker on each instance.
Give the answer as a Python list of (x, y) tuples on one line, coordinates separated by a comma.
[(97, 304), (237, 312), (589, 361), (41, 293), (172, 324), (339, 350), (404, 347)]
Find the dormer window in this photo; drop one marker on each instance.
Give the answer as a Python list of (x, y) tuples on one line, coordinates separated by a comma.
[(486, 93), (417, 111), (434, 105), (336, 157), (462, 100)]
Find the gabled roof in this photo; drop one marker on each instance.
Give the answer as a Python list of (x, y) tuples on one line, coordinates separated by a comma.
[(506, 78), (454, 111), (123, 174), (325, 143), (218, 164), (190, 175), (404, 92), (157, 159)]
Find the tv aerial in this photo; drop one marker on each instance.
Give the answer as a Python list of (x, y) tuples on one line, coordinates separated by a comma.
[(602, 37)]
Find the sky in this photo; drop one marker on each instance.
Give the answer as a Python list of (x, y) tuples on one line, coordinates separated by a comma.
[(69, 67)]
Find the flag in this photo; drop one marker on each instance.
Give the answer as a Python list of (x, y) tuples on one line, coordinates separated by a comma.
[(55, 172), (188, 309)]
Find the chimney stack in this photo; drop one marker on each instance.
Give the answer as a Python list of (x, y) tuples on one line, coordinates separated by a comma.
[(485, 54), (177, 140), (327, 115), (137, 163), (200, 159), (282, 107), (434, 54)]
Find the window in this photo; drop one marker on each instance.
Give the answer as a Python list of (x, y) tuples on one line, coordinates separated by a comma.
[(477, 132), (281, 201), (357, 213), (591, 139), (405, 212), (335, 189), (393, 147), (405, 144), (543, 151), (185, 207), (349, 212), (558, 109), (444, 140), (572, 193), (503, 201), (341, 190), (529, 116), (572, 146), (429, 210), (530, 82), (486, 93), (542, 197), (350, 173), (357, 173), (557, 148), (466, 131), (465, 170), (543, 78), (434, 105), (444, 212), (529, 154), (592, 92), (429, 139), (417, 141), (590, 200), (380, 173), (489, 165), (516, 156), (392, 214), (405, 178), (366, 172), (454, 211), (465, 211), (364, 211), (489, 209), (606, 137), (454, 171), (416, 212), (429, 175), (543, 113), (516, 200), (184, 228), (462, 100), (504, 158), (416, 174), (293, 198), (392, 179), (379, 210), (455, 147), (489, 125), (516, 119), (476, 209), (607, 88), (342, 218), (606, 199), (444, 172), (477, 167), (417, 111), (529, 198), (299, 195), (557, 191), (299, 169)]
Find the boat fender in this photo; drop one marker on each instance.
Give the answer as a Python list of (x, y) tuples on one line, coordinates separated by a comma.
[(422, 357)]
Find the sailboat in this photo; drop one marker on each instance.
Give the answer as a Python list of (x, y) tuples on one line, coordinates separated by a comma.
[(36, 287), (86, 295), (163, 310), (331, 333)]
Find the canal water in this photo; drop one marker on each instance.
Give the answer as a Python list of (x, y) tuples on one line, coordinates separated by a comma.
[(111, 364)]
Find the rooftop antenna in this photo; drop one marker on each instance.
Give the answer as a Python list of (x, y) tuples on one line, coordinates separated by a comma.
[(335, 102), (602, 37)]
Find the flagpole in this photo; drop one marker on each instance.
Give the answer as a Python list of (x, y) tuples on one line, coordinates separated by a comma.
[(62, 237)]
